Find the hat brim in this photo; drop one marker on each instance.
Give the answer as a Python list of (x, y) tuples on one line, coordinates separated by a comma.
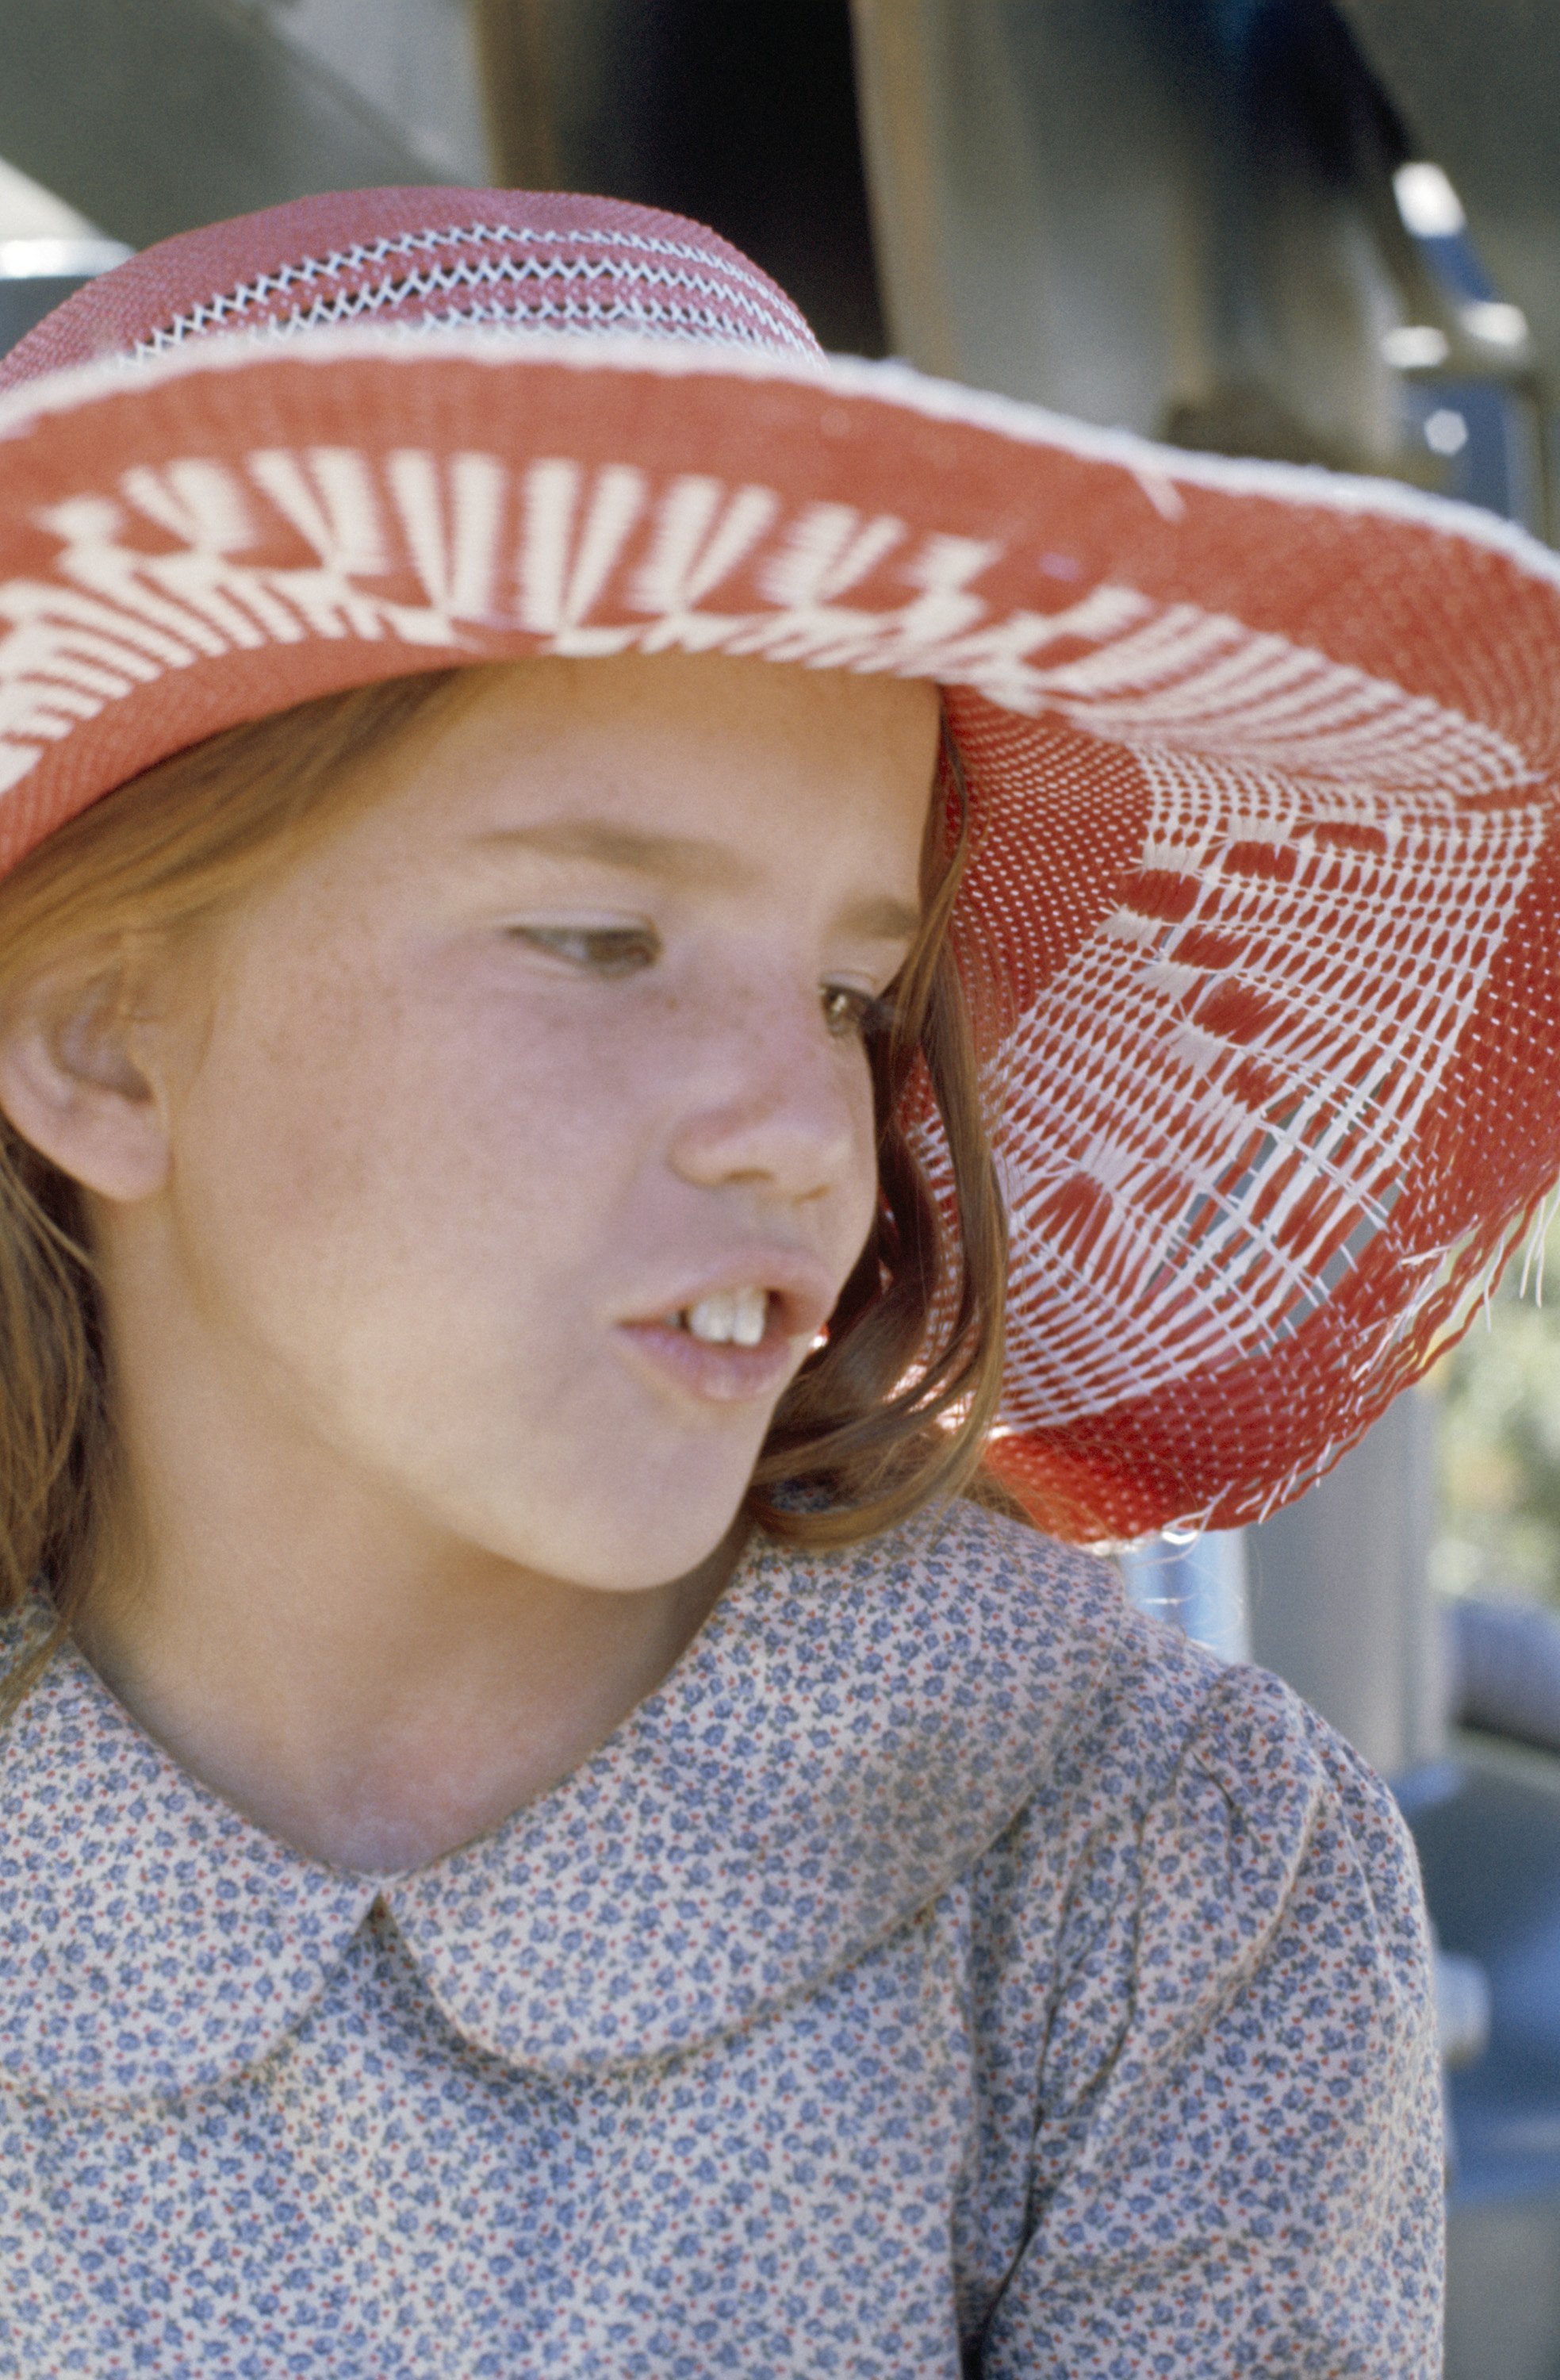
[(1260, 923)]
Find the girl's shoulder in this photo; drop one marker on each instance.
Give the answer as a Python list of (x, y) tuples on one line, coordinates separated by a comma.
[(963, 1573), (24, 1626), (1022, 1624), (1145, 1700), (1192, 1812), (1136, 1736), (29, 1633), (1198, 1986)]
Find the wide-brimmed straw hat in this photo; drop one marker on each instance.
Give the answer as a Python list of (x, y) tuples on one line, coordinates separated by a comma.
[(1261, 928)]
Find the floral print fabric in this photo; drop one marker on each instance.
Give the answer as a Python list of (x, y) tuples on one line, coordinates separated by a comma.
[(946, 1972)]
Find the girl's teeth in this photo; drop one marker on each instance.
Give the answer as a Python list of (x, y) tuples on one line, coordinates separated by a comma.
[(713, 1318), (731, 1314), (752, 1316)]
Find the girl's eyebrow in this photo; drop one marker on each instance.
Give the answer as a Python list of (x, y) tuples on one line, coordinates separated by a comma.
[(681, 859), (679, 856), (881, 921)]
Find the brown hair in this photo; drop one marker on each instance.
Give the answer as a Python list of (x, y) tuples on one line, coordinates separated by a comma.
[(890, 1413)]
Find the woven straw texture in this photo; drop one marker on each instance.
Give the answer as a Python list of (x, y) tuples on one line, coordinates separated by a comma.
[(1260, 929)]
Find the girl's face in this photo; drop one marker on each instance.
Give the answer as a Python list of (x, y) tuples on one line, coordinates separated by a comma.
[(520, 1136)]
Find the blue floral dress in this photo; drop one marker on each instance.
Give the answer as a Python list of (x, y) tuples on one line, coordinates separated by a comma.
[(946, 1972)]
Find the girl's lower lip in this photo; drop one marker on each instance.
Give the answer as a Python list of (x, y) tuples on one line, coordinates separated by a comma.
[(720, 1372)]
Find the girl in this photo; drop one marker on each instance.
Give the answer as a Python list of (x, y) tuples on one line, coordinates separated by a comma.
[(557, 1816)]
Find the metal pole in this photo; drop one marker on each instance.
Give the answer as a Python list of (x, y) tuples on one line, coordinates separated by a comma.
[(1340, 1597)]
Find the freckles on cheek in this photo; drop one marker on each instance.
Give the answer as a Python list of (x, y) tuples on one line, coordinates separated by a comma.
[(543, 1110), (371, 1119), (297, 1094)]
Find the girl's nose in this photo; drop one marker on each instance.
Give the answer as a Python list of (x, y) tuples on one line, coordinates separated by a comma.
[(781, 1105)]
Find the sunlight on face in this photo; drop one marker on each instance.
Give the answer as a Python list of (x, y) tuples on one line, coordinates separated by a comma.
[(530, 1138)]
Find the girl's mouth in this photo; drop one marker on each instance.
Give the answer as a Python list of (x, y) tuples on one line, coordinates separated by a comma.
[(731, 1345), (738, 1317)]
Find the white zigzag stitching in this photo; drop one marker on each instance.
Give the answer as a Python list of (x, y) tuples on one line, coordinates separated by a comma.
[(669, 320), (743, 290)]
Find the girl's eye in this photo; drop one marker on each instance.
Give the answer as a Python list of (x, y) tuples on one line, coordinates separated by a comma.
[(847, 1011), (601, 950)]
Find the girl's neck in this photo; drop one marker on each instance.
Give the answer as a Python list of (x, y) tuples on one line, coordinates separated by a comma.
[(366, 1682), (375, 1721), (367, 1687)]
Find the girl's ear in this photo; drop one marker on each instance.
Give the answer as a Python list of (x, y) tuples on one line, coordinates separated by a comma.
[(74, 1079)]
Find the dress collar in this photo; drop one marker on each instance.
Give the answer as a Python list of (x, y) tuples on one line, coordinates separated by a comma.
[(845, 1735), (151, 1940)]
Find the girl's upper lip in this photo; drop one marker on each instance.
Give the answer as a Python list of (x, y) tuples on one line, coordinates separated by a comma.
[(803, 1293)]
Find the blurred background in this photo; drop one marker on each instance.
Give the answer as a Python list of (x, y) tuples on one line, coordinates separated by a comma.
[(1323, 233)]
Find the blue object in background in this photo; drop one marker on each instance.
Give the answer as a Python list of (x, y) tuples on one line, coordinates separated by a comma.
[(1198, 1584), (1487, 1824)]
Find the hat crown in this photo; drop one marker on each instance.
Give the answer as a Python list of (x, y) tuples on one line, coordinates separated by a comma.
[(426, 259)]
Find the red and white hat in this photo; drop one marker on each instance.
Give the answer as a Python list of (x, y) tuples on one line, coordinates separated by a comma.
[(1262, 928)]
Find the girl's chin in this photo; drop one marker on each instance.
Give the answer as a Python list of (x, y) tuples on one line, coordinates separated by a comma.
[(655, 1511)]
